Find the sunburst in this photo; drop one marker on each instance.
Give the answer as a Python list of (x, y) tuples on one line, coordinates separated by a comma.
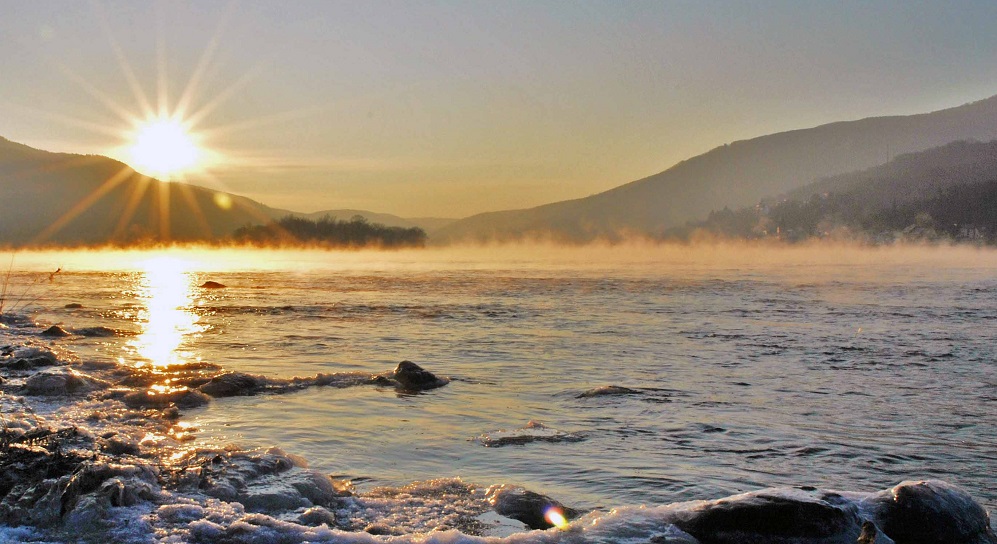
[(160, 139), (164, 148)]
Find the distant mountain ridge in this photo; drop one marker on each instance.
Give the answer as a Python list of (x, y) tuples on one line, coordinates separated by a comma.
[(67, 199), (734, 175)]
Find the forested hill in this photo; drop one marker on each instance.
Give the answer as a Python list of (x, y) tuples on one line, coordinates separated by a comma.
[(945, 193), (735, 175)]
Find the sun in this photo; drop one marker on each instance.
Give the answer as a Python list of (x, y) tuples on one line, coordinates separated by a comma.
[(163, 148)]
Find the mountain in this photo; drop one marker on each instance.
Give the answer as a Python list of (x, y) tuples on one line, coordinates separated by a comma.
[(910, 177), (733, 175), (427, 224), (948, 191), (66, 199)]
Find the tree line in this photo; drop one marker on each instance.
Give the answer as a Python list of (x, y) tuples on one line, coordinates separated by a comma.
[(965, 212), (329, 232)]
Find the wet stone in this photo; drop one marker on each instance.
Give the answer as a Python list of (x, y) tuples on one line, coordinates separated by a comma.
[(526, 506), (931, 512), (61, 383), (608, 391), (763, 517), (232, 384), (180, 397), (55, 331), (412, 377)]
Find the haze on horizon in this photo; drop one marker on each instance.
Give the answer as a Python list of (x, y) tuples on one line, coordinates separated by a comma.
[(450, 109)]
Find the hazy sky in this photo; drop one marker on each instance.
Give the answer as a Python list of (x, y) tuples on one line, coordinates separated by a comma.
[(452, 108)]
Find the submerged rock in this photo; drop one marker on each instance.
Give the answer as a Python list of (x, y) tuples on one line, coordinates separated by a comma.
[(182, 397), (607, 391), (73, 306), (931, 512), (533, 431), (231, 384), (99, 332), (412, 377), (533, 509), (212, 285)]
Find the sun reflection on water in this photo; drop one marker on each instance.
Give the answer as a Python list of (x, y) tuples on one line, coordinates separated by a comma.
[(167, 293)]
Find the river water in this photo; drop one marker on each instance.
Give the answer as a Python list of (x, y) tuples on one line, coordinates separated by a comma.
[(745, 367)]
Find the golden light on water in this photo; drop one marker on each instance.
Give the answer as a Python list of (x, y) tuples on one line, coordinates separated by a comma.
[(167, 292)]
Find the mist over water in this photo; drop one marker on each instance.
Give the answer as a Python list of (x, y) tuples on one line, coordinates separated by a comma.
[(746, 366)]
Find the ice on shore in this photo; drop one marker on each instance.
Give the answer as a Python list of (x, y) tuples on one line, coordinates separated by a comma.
[(93, 451)]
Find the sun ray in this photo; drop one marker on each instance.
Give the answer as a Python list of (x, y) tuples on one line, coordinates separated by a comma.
[(140, 97), (138, 191), (164, 211), (83, 205), (225, 94), (202, 222), (96, 93), (187, 96), (162, 65), (262, 121)]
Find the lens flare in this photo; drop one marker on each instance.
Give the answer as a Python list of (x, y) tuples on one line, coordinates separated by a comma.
[(555, 516)]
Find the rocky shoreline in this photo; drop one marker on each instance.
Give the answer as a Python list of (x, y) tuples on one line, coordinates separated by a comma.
[(92, 449)]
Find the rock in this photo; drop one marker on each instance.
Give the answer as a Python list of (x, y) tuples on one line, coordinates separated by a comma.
[(769, 516), (608, 390), (231, 384), (868, 534), (55, 331), (533, 431), (118, 445), (97, 332), (931, 512), (73, 306), (61, 383), (212, 285), (412, 377), (315, 516), (31, 362), (526, 506), (264, 482), (182, 397), (381, 529)]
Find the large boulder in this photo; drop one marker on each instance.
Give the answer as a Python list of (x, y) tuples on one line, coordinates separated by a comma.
[(931, 512)]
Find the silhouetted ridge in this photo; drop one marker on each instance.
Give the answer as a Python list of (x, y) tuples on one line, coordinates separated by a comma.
[(734, 175)]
